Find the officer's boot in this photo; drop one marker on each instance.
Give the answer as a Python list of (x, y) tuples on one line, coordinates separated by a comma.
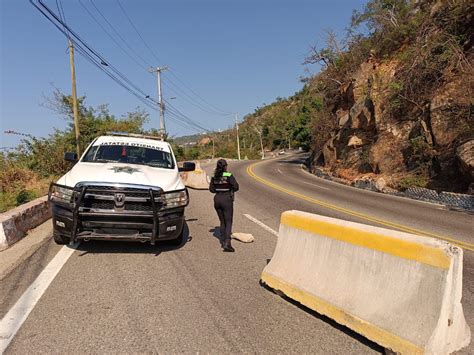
[(228, 246)]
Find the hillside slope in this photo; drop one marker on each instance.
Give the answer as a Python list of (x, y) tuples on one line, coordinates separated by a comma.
[(395, 103)]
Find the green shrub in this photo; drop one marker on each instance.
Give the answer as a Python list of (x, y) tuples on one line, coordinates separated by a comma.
[(7, 201), (25, 196), (413, 181)]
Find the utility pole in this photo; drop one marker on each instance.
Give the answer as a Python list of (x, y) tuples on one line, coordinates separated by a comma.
[(213, 148), (238, 142), (75, 110), (259, 132), (158, 71)]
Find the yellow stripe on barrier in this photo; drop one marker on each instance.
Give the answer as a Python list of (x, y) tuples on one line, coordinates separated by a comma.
[(464, 245), (371, 331), (401, 248)]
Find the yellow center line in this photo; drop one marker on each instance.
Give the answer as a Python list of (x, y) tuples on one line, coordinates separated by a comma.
[(401, 227)]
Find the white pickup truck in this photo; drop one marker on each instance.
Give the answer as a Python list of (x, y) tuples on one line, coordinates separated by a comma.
[(124, 187)]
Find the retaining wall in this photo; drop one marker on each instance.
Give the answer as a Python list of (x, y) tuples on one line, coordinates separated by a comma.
[(14, 224)]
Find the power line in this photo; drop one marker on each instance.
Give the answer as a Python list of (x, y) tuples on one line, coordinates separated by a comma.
[(217, 110), (176, 119), (138, 32), (175, 89), (111, 37), (102, 64), (119, 35), (213, 110), (78, 40), (175, 111), (59, 5), (186, 121), (91, 55)]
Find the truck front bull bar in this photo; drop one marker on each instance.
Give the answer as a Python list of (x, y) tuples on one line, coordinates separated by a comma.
[(155, 217), (75, 215)]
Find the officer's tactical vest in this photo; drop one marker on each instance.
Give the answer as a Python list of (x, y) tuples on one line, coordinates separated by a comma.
[(222, 184)]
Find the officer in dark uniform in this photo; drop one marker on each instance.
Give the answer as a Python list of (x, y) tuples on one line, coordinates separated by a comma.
[(224, 185)]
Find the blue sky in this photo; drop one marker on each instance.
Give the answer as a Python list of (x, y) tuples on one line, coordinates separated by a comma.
[(236, 55)]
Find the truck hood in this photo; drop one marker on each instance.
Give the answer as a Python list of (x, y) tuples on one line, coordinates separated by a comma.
[(167, 179)]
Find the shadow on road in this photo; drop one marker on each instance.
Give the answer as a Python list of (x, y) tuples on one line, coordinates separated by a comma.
[(298, 159), (216, 232), (119, 247), (361, 339)]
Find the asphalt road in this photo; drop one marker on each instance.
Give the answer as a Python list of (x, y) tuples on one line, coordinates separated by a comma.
[(125, 297)]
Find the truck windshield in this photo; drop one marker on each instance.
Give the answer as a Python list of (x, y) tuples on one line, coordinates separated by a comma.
[(129, 154)]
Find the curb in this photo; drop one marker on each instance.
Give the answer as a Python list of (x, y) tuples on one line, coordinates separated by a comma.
[(449, 199), (14, 224)]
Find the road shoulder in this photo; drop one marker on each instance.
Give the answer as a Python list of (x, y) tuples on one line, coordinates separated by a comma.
[(24, 249)]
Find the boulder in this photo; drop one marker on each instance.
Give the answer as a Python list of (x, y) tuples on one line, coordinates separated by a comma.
[(400, 130), (342, 117), (465, 155), (444, 130), (362, 115), (335, 148), (329, 153), (365, 183), (385, 155), (383, 75), (380, 184), (361, 80), (355, 142), (446, 112), (421, 129)]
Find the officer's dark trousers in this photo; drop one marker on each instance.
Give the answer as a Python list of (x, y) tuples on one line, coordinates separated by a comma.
[(225, 210)]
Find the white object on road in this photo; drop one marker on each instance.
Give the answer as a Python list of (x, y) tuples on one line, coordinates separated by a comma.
[(261, 224), (399, 290), (13, 320), (243, 237)]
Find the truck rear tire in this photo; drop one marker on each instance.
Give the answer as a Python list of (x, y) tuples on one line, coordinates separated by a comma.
[(61, 239)]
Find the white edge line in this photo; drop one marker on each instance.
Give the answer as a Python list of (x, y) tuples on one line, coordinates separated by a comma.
[(261, 224), (16, 316), (381, 194)]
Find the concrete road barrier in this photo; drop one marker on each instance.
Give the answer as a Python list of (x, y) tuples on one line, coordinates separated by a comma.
[(399, 290), (197, 179), (15, 223)]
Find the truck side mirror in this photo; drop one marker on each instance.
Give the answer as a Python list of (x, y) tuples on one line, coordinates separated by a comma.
[(187, 166), (69, 156)]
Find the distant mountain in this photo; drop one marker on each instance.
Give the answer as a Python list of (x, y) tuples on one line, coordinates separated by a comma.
[(195, 138)]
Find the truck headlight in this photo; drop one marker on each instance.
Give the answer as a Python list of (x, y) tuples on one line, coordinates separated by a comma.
[(60, 193), (175, 199)]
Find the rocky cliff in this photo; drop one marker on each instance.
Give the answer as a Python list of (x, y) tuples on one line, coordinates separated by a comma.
[(404, 139)]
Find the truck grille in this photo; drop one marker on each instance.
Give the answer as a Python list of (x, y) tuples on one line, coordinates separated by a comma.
[(118, 198)]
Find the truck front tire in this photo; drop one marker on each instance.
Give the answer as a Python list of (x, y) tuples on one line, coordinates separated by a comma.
[(179, 239), (61, 239)]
